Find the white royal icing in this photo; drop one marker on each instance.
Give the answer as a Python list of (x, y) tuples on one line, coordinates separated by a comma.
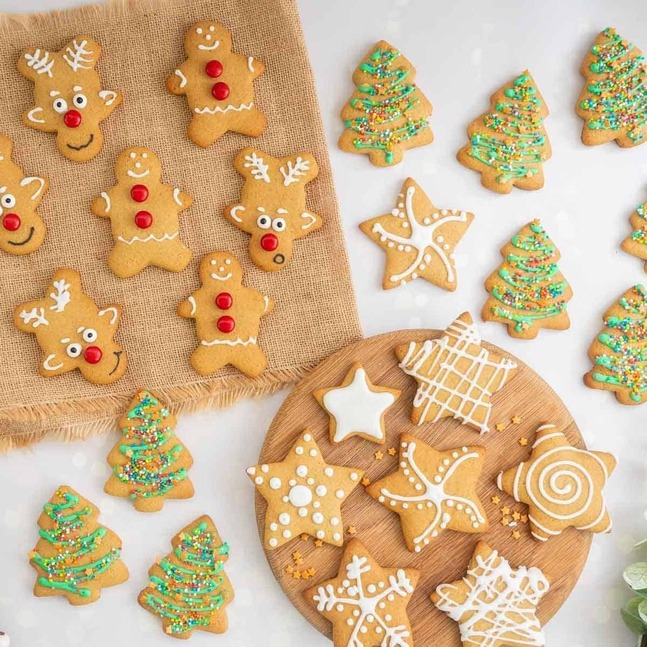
[(310, 220), (31, 115), (216, 109), (39, 189), (234, 212), (106, 198), (176, 197), (293, 170), (151, 237), (113, 310), (108, 96), (193, 305), (250, 63), (48, 366), (182, 77), (230, 342)]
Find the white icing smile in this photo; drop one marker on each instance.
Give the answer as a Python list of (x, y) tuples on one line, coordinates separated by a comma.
[(138, 175), (209, 48), (217, 277)]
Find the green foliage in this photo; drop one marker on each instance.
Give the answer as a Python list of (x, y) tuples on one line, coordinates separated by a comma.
[(634, 612)]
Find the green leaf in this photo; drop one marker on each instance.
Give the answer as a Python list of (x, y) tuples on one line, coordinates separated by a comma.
[(640, 544), (636, 576), (642, 611), (631, 617)]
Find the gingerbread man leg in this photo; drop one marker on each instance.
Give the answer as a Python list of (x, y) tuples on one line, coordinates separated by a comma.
[(174, 256), (250, 360), (204, 130), (208, 359), (125, 261), (251, 124)]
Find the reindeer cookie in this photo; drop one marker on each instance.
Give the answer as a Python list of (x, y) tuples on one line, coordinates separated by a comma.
[(218, 85), (68, 97), (73, 331), (144, 215), (272, 205), (22, 230), (227, 318)]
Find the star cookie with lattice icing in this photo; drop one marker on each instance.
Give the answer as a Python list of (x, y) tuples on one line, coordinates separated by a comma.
[(561, 484), (456, 376), (419, 240), (357, 407), (366, 604), (304, 494), (495, 605), (433, 491)]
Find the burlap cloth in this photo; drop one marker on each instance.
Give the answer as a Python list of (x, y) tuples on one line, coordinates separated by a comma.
[(142, 43)]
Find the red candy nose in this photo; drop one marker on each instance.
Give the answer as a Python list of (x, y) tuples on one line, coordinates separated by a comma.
[(139, 193), (11, 222), (72, 118), (220, 91), (213, 69), (226, 324), (92, 354), (269, 242), (143, 219)]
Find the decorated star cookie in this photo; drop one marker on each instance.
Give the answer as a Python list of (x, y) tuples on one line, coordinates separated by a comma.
[(75, 556), (73, 332), (272, 206), (619, 352), (357, 407), (613, 102), (528, 292), (636, 244), (68, 96), (561, 484), (227, 318), (189, 589), (366, 604), (433, 491), (144, 216), (495, 604), (22, 230), (456, 376), (508, 144), (387, 114), (218, 85), (304, 494), (419, 239)]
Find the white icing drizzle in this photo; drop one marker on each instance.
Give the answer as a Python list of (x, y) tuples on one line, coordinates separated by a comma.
[(61, 297), (106, 198), (293, 170), (234, 212), (41, 185), (258, 168), (176, 197), (310, 220), (216, 109), (113, 310), (108, 96), (40, 62), (251, 341), (36, 317), (266, 303), (157, 239), (250, 63), (31, 115), (191, 300), (182, 77), (47, 365), (77, 58)]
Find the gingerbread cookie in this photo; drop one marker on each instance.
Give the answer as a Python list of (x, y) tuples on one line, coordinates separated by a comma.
[(272, 207), (304, 494), (433, 491), (23, 230), (387, 114), (527, 291), (73, 332), (636, 244), (613, 102), (144, 216), (75, 556), (357, 407), (227, 318), (218, 84), (419, 240), (68, 97), (456, 376), (619, 352), (495, 604), (508, 143)]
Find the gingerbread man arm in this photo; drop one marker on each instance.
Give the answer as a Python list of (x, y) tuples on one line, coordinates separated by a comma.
[(110, 100), (259, 302), (187, 309), (255, 66), (177, 82), (268, 304), (183, 200), (102, 205)]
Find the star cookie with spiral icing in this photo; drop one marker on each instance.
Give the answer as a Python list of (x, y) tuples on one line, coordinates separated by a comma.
[(561, 484)]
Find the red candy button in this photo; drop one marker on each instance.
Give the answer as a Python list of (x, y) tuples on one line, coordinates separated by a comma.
[(224, 301), (72, 118), (213, 69), (143, 219), (11, 222), (226, 324), (220, 91), (139, 193), (92, 354), (269, 242)]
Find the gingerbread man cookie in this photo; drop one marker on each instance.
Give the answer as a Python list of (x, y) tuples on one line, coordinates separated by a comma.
[(73, 332), (218, 85), (23, 230), (144, 216), (68, 97), (227, 318)]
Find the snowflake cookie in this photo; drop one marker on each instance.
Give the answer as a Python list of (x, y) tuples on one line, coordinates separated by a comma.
[(366, 604), (495, 605), (304, 494)]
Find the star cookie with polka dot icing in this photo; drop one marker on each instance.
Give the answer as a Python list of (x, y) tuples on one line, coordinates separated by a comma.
[(304, 494), (433, 491), (419, 240)]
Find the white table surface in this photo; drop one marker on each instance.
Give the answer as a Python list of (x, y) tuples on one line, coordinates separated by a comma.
[(463, 51)]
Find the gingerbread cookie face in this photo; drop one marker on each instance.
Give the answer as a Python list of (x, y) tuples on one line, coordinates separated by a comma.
[(227, 318), (22, 230), (272, 207), (144, 214), (218, 85), (69, 99), (304, 494), (73, 332)]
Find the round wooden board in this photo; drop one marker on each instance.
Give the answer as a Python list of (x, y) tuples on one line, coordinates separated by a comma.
[(526, 395)]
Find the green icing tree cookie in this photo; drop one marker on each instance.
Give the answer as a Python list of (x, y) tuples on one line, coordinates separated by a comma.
[(636, 244)]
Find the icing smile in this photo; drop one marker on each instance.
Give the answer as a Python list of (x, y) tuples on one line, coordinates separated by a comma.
[(117, 354), (209, 48), (217, 277), (138, 175), (82, 146), (32, 231)]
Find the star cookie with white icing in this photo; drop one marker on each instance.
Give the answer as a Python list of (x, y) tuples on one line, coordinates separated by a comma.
[(304, 494), (357, 407)]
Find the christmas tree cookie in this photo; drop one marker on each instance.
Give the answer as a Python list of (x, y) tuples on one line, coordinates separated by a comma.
[(636, 244), (508, 144), (527, 291), (75, 556), (149, 463), (619, 353), (613, 102), (387, 113), (189, 589)]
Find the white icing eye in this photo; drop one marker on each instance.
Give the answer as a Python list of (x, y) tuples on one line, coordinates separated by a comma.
[(60, 105), (212, 28), (90, 335), (198, 30), (264, 222), (80, 101), (74, 350), (278, 224), (145, 156), (8, 201)]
